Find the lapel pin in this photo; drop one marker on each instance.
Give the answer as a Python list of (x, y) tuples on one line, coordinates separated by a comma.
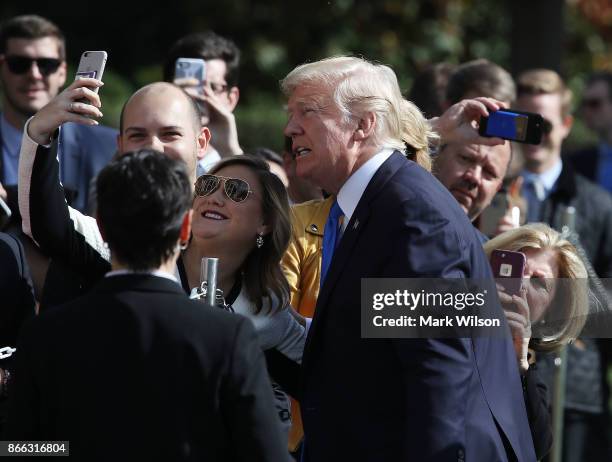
[(356, 224)]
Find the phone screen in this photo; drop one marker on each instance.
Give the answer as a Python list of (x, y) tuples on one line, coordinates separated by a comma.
[(508, 125)]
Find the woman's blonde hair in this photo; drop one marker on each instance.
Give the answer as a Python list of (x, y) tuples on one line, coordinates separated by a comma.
[(571, 299), (359, 87)]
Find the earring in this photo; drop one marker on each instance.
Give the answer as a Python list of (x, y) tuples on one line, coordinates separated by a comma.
[(259, 241)]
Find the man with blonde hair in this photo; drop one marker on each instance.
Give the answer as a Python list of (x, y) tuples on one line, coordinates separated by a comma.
[(391, 399), (551, 187)]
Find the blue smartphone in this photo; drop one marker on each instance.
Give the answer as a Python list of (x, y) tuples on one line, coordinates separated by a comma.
[(519, 126)]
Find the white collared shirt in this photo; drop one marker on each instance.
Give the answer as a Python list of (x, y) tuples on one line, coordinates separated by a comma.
[(548, 178), (351, 191)]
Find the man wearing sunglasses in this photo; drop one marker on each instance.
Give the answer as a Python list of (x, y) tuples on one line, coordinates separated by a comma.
[(551, 186), (595, 162), (32, 72)]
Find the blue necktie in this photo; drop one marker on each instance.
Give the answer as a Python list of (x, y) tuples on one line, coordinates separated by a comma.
[(535, 195), (331, 237)]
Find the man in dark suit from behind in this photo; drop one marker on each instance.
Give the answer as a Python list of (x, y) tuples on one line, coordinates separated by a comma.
[(392, 399), (595, 162), (135, 370)]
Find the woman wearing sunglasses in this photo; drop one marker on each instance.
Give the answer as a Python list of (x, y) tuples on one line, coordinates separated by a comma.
[(241, 217)]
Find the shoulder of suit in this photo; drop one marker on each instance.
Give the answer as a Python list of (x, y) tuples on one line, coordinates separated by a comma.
[(97, 130), (592, 192)]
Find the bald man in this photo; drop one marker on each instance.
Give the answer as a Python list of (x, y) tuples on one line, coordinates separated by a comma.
[(159, 116)]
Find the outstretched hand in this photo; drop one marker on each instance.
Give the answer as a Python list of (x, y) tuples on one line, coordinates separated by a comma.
[(459, 123), (77, 103)]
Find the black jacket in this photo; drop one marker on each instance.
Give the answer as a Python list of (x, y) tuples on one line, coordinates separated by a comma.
[(137, 371)]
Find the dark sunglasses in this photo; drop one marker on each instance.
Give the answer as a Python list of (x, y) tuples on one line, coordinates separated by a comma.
[(592, 103), (22, 64), (235, 189)]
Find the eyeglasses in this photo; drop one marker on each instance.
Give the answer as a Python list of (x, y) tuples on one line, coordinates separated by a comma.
[(592, 103), (235, 189), (22, 64), (218, 88)]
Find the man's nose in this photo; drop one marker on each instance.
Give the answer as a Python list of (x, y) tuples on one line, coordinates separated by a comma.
[(292, 128), (34, 71), (155, 143), (473, 175)]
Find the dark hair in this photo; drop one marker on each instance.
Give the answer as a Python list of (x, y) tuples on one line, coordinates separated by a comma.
[(204, 45), (262, 273), (142, 199), (31, 27), (428, 90), (193, 105), (483, 78), (267, 155), (601, 76)]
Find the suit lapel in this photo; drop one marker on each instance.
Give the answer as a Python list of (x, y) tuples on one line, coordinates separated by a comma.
[(349, 239)]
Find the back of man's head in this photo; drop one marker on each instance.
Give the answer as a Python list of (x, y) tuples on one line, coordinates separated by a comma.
[(143, 197), (31, 27), (480, 78), (545, 82), (207, 46)]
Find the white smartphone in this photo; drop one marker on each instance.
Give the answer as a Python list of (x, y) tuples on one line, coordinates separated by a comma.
[(92, 65), (191, 68)]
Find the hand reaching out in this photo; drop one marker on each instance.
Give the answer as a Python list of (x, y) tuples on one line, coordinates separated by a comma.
[(517, 314), (77, 103), (459, 123)]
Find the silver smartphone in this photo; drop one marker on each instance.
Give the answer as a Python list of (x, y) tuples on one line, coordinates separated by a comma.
[(191, 68), (92, 65)]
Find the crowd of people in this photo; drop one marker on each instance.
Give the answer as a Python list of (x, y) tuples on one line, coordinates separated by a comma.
[(101, 345)]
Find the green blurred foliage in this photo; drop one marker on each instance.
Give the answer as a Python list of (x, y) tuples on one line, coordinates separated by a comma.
[(275, 36)]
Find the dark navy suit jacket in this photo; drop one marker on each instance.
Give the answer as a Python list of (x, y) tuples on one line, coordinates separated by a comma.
[(82, 151), (407, 399)]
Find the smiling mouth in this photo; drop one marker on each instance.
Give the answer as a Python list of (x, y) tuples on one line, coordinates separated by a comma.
[(213, 215), (301, 152)]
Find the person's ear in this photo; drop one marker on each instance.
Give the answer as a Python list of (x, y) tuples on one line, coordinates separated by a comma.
[(567, 124), (365, 127), (185, 232), (119, 142), (233, 95), (264, 229), (203, 142)]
